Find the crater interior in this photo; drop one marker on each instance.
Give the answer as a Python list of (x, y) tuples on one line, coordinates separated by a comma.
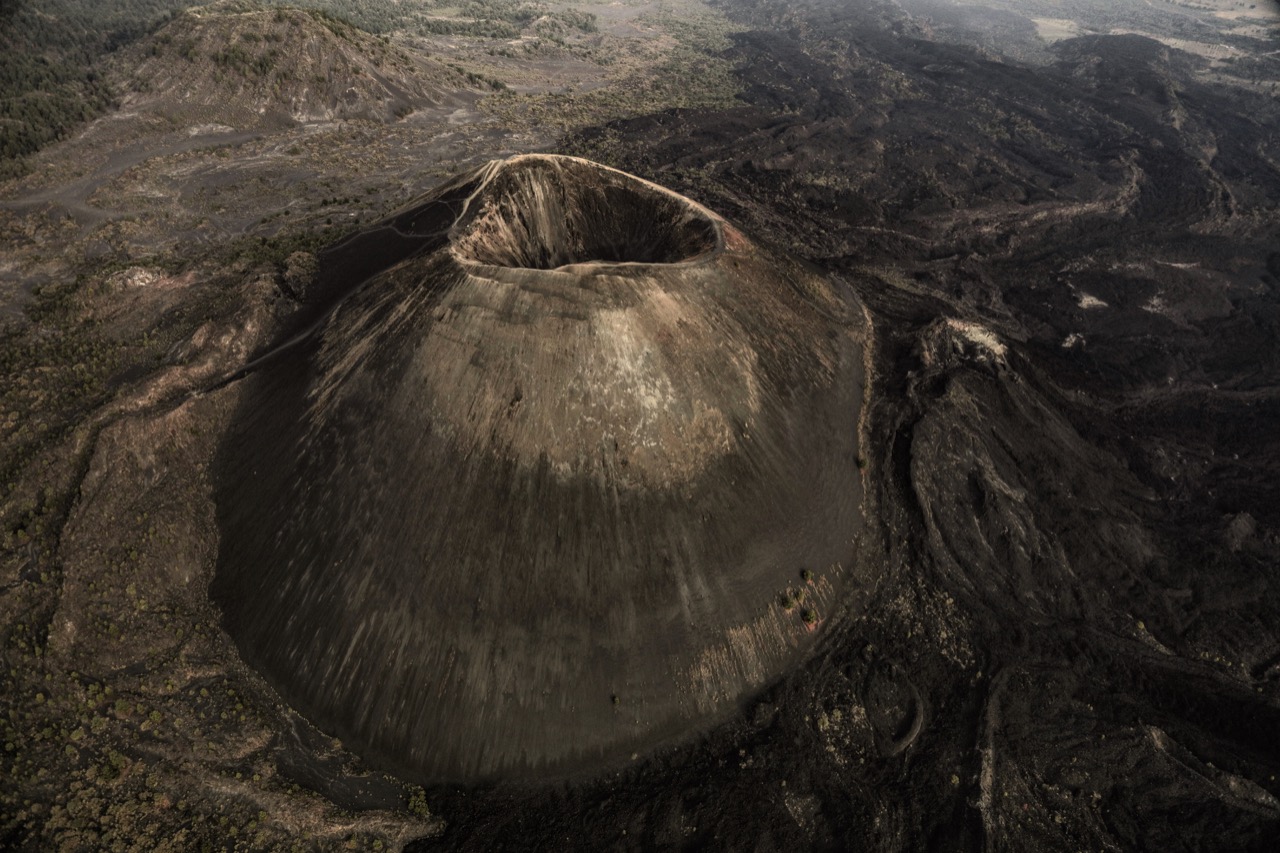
[(552, 213)]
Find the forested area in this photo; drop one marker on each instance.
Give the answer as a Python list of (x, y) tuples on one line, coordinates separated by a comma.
[(50, 74)]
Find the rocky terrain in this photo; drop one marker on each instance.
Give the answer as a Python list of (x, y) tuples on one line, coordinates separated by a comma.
[(1062, 219)]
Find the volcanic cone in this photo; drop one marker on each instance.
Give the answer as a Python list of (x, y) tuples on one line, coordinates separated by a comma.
[(539, 488)]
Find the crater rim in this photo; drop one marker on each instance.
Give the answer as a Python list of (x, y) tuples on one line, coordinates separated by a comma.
[(493, 234)]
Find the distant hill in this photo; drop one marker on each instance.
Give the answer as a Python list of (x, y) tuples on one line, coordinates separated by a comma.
[(243, 65), (50, 52), (53, 54)]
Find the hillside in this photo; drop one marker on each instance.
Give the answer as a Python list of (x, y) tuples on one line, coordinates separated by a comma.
[(244, 66)]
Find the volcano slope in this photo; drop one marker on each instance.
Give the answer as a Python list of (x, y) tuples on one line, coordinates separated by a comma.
[(532, 495)]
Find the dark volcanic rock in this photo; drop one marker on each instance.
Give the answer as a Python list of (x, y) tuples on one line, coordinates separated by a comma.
[(1073, 640), (532, 495)]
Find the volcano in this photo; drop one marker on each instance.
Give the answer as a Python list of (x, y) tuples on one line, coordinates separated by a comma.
[(567, 467)]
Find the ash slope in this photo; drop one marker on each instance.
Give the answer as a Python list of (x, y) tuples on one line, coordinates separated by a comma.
[(532, 495), (1073, 272)]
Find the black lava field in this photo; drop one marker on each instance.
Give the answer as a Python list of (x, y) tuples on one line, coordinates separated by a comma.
[(1073, 639)]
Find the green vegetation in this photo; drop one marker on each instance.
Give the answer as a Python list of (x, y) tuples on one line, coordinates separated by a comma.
[(246, 63), (496, 19), (50, 52), (791, 598), (475, 78), (269, 251), (417, 805)]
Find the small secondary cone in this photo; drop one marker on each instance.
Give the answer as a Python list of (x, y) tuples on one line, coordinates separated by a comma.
[(526, 500)]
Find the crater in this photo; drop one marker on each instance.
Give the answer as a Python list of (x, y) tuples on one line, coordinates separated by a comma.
[(550, 213), (524, 501)]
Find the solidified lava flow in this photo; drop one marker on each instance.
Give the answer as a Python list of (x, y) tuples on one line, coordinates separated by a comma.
[(538, 490)]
